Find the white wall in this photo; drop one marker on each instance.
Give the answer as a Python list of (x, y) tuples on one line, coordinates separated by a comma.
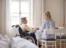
[(56, 7)]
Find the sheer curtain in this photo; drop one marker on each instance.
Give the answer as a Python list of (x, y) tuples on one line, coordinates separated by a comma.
[(8, 23), (36, 16), (38, 11), (8, 30)]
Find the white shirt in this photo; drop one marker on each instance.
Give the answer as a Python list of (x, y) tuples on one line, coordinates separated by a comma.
[(27, 28)]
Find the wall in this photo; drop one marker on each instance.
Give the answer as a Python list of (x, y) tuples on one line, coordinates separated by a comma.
[(65, 13), (56, 7), (0, 15)]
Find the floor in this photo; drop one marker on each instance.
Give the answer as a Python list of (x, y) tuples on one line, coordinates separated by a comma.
[(58, 45)]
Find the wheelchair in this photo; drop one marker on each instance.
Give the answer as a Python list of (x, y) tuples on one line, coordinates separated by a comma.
[(24, 35)]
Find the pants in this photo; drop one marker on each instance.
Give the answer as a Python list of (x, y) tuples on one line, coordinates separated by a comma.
[(33, 36)]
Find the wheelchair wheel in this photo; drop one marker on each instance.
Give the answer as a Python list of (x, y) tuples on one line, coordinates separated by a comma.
[(30, 39)]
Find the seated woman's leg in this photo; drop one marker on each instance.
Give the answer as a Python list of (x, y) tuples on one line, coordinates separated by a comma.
[(33, 36)]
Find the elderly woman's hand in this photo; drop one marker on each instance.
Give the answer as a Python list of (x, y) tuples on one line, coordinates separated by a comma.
[(37, 28)]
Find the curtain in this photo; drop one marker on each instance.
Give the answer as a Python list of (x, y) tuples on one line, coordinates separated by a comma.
[(8, 19), (5, 16), (38, 11)]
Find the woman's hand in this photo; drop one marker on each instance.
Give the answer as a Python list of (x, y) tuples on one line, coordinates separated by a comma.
[(37, 28)]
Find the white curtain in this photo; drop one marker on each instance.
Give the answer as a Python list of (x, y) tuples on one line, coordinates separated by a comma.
[(5, 16), (38, 10), (8, 19)]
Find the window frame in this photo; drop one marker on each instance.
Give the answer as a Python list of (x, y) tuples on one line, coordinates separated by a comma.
[(30, 11)]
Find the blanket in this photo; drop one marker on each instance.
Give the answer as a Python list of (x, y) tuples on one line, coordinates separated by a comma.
[(4, 42), (18, 42)]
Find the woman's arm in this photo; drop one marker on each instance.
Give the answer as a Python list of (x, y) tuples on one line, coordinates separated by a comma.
[(43, 26), (30, 29), (27, 28)]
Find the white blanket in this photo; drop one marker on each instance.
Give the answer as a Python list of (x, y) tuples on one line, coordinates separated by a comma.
[(18, 42), (4, 42)]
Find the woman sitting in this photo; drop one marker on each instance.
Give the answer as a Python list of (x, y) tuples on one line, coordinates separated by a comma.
[(26, 28), (47, 22)]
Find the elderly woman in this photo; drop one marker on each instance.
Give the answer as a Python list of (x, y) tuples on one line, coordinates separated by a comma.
[(27, 29)]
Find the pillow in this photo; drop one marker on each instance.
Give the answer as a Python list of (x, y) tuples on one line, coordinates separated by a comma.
[(12, 32)]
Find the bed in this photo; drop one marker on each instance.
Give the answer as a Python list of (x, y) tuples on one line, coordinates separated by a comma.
[(17, 42), (4, 42)]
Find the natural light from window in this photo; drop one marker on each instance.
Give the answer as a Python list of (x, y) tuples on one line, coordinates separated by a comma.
[(19, 9)]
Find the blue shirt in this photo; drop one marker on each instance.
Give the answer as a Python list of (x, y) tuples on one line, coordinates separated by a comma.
[(47, 24)]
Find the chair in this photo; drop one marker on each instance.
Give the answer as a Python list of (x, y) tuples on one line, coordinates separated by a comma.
[(22, 34), (49, 38), (61, 37)]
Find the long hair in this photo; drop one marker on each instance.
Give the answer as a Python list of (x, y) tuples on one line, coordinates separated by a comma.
[(48, 16)]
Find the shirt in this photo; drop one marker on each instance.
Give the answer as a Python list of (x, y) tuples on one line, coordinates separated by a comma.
[(27, 28), (47, 24)]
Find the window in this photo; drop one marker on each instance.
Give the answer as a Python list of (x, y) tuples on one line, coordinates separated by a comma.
[(19, 9)]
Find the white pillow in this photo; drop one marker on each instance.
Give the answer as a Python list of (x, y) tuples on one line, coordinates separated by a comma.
[(12, 32)]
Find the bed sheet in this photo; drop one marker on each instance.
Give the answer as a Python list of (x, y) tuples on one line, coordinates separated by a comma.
[(18, 42)]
